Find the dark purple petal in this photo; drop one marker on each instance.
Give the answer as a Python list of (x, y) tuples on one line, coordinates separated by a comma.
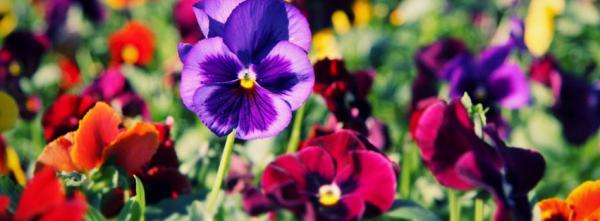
[(208, 62), (218, 106), (164, 183), (464, 76), (493, 58), (110, 84), (93, 10), (431, 59), (262, 114), (371, 177), (255, 202), (183, 49), (212, 15), (509, 87), (286, 72), (25, 48), (254, 28)]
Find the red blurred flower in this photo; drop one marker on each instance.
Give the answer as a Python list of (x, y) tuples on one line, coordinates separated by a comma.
[(70, 74), (133, 44), (44, 198), (64, 114)]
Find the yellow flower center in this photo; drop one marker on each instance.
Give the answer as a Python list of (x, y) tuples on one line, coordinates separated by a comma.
[(329, 195), (130, 54), (247, 81), (14, 68)]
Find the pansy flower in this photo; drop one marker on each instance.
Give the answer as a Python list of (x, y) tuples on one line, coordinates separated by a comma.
[(431, 62), (459, 159), (581, 204), (56, 14), (64, 114), (160, 176), (45, 198), (99, 139), (21, 54), (133, 44), (185, 20), (577, 101), (334, 177), (71, 76), (252, 71), (112, 87)]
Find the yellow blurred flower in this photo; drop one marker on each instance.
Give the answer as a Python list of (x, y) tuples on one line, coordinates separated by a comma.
[(539, 24), (11, 164), (341, 22), (363, 10), (8, 21), (122, 4), (325, 45), (8, 113)]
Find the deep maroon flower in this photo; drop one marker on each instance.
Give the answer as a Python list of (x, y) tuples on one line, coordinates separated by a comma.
[(334, 177), (431, 60), (345, 94), (577, 102), (252, 71), (112, 87), (64, 114), (185, 20), (21, 54), (459, 159), (161, 177)]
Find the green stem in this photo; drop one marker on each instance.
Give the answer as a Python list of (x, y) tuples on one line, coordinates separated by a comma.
[(478, 209), (211, 203), (405, 172), (454, 205), (295, 135)]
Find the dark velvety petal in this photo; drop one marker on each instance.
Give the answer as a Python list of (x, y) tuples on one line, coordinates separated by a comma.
[(465, 77), (431, 59), (577, 109), (363, 81), (27, 49), (371, 177), (255, 202), (64, 114), (328, 71), (132, 105), (444, 133), (93, 10), (218, 106), (542, 69), (424, 87), (212, 15), (254, 28), (262, 114), (286, 72), (350, 207), (164, 183), (509, 87), (208, 62)]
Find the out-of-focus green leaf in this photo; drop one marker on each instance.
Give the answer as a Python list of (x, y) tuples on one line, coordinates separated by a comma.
[(409, 210), (140, 194), (93, 214), (11, 189)]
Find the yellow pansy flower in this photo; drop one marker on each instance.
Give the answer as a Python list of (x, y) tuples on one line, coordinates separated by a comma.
[(539, 24)]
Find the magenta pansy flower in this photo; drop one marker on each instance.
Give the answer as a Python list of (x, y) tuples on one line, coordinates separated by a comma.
[(334, 177), (252, 71)]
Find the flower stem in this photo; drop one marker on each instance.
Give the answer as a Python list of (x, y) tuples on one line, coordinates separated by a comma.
[(211, 203), (405, 171), (478, 209), (295, 135), (454, 205)]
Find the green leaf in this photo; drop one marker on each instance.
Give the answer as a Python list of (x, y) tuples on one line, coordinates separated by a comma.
[(131, 211), (10, 188), (93, 214), (409, 210), (140, 194)]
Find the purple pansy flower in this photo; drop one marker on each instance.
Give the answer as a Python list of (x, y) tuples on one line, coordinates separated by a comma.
[(335, 177), (56, 12), (577, 101), (252, 71), (459, 159)]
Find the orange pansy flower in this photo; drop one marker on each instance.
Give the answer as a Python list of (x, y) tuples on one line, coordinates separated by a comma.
[(133, 44), (583, 203), (99, 139)]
